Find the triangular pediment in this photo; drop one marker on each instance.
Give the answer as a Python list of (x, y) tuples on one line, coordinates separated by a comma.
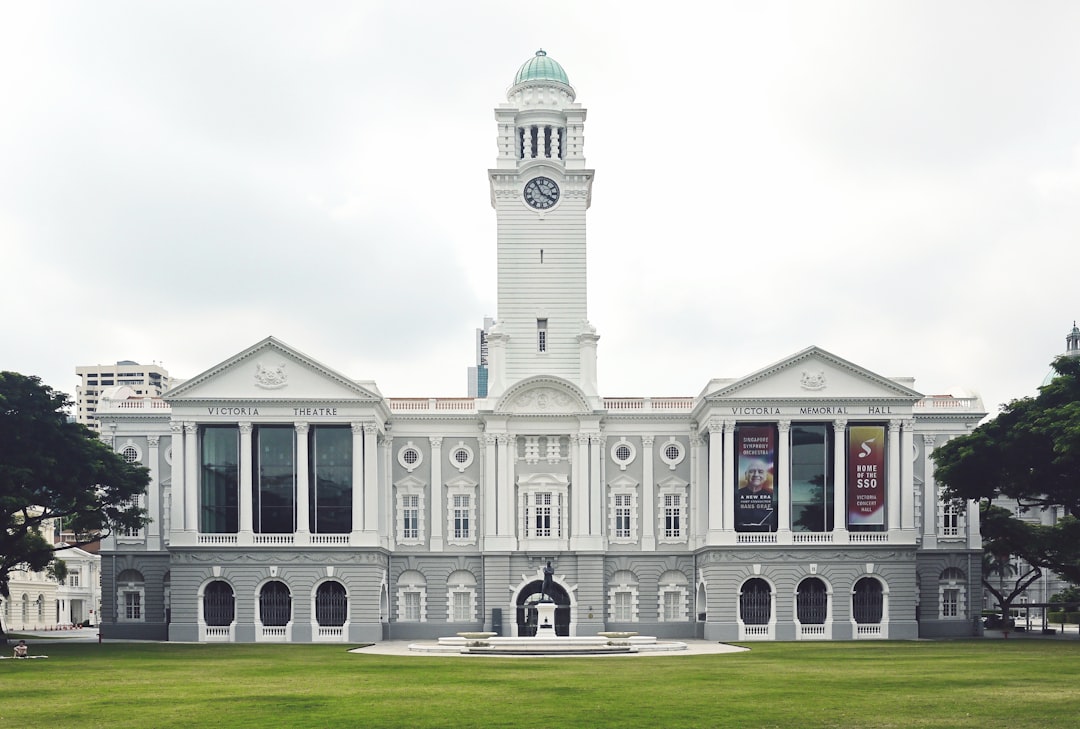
[(270, 370), (544, 395), (813, 374)]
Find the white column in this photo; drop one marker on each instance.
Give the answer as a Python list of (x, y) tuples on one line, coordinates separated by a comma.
[(648, 495), (782, 487), (894, 506), (502, 455), (487, 442), (716, 480), (581, 493), (178, 491), (907, 477), (385, 517), (974, 536), (507, 457), (587, 356), (497, 344), (699, 488), (840, 446), (153, 495), (727, 494), (357, 476), (437, 498), (303, 487), (929, 497), (371, 479), (191, 474), (596, 491), (246, 479)]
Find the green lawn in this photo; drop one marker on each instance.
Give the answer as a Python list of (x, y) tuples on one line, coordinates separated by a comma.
[(976, 683)]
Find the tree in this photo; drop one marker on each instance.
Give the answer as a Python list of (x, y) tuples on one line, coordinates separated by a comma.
[(997, 561), (1029, 453), (52, 468)]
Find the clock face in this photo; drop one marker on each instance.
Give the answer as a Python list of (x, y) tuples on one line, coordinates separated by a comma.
[(541, 193)]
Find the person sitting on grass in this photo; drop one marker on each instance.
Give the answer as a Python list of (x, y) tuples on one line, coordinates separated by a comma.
[(21, 649)]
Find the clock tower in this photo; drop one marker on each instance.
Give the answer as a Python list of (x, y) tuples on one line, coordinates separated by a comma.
[(540, 189)]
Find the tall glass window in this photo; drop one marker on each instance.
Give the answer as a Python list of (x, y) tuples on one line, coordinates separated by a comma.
[(219, 479), (462, 507), (811, 478), (622, 515), (274, 485), (330, 456), (672, 514)]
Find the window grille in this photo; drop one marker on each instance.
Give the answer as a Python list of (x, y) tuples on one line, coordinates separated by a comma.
[(755, 602), (812, 602), (218, 604), (275, 604), (867, 602), (331, 604)]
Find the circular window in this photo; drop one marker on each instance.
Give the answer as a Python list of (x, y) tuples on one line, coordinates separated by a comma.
[(672, 453), (130, 452), (410, 457), (461, 456), (623, 453)]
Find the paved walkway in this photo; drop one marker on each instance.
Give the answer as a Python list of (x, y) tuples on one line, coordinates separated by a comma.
[(693, 648)]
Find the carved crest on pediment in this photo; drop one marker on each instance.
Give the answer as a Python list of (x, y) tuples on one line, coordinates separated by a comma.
[(272, 377), (543, 400), (814, 380)]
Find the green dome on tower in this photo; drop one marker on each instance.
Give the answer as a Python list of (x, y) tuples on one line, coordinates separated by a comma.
[(541, 67)]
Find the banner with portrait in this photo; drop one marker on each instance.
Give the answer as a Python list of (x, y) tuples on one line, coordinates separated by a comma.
[(866, 475), (755, 461)]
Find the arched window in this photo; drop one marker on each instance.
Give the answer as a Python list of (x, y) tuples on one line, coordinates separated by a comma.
[(130, 597), (412, 597), (952, 594), (867, 601), (331, 604), (812, 601), (755, 602), (461, 589), (219, 607), (275, 604), (674, 596), (623, 597)]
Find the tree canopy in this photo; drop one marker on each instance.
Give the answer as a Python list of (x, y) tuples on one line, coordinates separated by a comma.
[(1030, 454), (52, 468)]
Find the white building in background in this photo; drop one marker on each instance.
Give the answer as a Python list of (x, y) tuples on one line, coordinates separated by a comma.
[(292, 502), (144, 380), (78, 597), (32, 596)]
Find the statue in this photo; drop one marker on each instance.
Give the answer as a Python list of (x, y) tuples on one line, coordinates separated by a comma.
[(546, 587)]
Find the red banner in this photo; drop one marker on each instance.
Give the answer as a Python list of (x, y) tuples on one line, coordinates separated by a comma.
[(866, 475)]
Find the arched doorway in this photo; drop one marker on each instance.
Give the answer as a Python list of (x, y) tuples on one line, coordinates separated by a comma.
[(526, 608)]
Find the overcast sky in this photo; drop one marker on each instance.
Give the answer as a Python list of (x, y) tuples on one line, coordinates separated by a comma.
[(895, 182)]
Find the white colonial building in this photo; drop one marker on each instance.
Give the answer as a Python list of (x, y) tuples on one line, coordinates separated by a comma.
[(292, 502)]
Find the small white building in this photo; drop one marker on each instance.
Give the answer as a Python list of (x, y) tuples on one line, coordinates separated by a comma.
[(79, 595)]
